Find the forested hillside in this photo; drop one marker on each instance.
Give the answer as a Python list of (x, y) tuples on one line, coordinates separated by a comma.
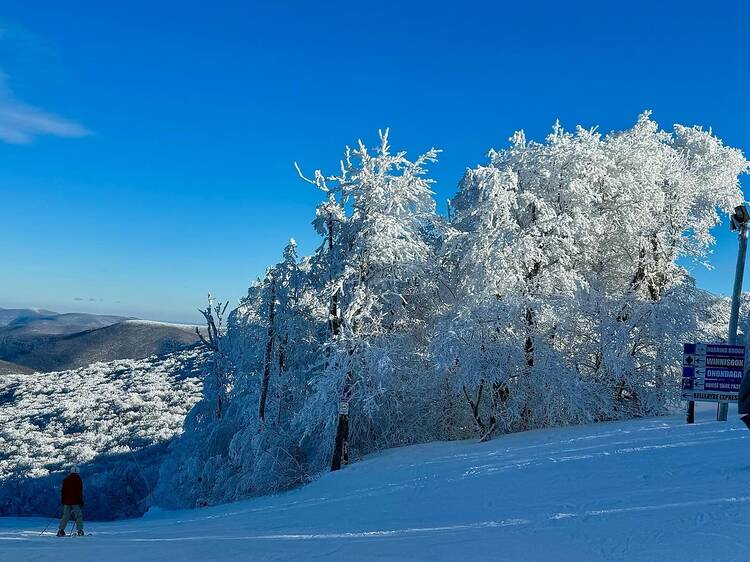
[(114, 419)]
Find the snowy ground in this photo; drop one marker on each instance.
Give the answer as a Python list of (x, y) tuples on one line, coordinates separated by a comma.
[(654, 489)]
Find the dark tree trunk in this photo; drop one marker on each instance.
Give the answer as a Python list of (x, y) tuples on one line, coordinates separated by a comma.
[(528, 346), (334, 321), (269, 352), (282, 394), (341, 444), (474, 406), (342, 431)]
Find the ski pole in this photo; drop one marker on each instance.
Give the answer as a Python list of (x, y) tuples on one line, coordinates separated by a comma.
[(48, 524), (47, 527)]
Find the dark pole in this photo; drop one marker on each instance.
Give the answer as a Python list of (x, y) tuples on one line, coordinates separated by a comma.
[(691, 412), (739, 223)]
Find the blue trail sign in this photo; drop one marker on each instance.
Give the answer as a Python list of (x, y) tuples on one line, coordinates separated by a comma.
[(712, 372)]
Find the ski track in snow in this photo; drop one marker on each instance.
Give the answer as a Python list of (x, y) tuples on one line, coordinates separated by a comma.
[(652, 489)]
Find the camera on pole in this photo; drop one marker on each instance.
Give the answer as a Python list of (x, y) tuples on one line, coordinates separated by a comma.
[(740, 218)]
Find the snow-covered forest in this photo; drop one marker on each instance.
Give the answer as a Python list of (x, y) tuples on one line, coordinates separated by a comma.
[(115, 418), (554, 292)]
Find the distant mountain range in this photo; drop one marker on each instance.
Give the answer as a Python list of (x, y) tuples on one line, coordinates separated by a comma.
[(40, 321), (43, 340), (8, 368)]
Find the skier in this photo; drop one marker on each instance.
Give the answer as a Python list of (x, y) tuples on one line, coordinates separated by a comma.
[(743, 400), (72, 500)]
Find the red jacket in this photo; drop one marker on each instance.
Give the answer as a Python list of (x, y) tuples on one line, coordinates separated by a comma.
[(72, 490)]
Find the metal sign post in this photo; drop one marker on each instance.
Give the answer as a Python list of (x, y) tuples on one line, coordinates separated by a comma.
[(711, 373), (739, 222)]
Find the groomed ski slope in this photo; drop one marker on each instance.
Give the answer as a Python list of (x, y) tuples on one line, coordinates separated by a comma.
[(653, 489)]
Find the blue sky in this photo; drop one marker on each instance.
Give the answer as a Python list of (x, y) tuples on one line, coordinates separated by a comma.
[(147, 148)]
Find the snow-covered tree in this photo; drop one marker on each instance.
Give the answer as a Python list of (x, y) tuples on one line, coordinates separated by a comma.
[(379, 260), (569, 296), (218, 382)]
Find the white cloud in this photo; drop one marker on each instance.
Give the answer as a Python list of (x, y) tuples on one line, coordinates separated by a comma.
[(20, 123)]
